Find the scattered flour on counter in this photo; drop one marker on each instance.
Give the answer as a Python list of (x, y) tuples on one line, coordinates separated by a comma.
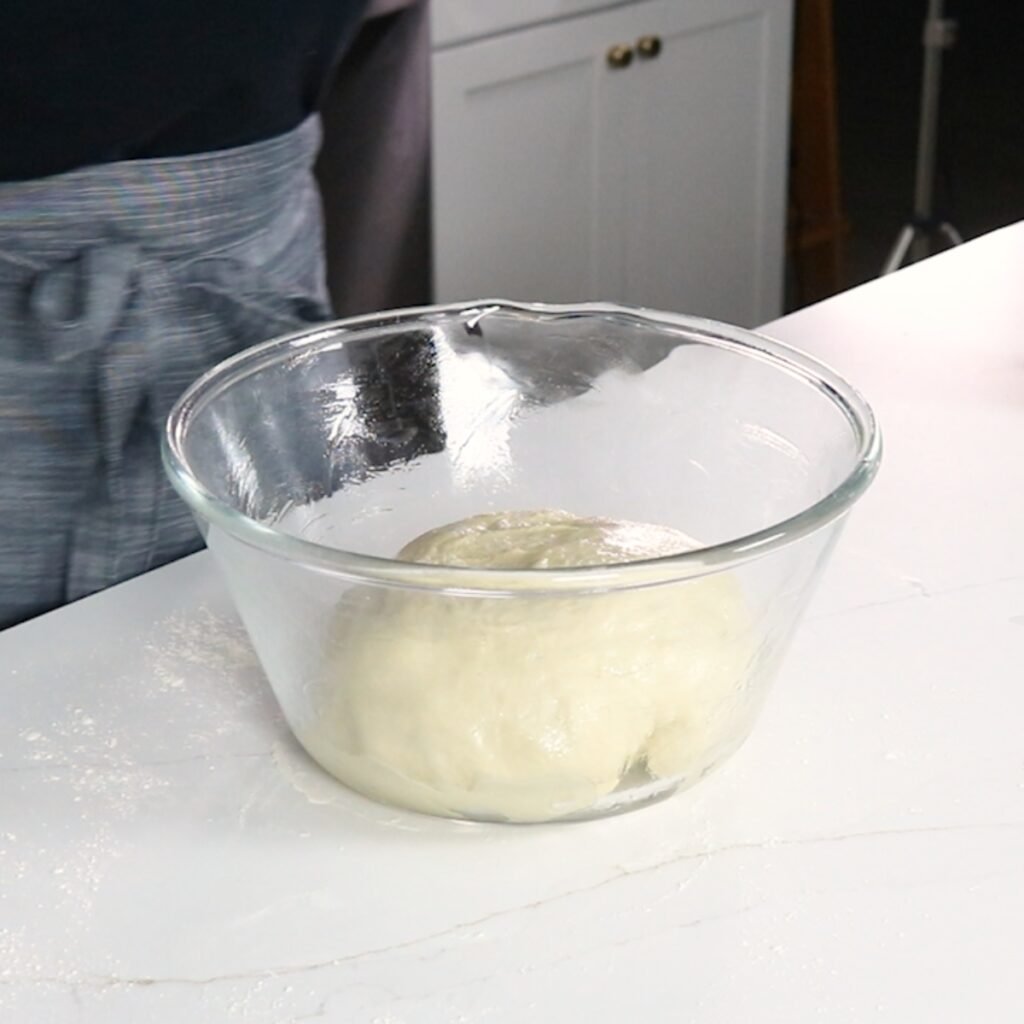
[(202, 670), (201, 643), (80, 754), (99, 763)]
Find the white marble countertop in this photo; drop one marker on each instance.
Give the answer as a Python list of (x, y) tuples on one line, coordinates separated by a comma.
[(167, 854)]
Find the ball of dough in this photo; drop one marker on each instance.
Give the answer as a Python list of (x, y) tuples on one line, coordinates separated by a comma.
[(530, 707)]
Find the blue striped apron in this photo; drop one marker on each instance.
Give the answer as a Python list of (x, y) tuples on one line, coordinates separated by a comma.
[(119, 285)]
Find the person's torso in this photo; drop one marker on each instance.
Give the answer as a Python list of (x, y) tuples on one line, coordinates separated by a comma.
[(86, 82)]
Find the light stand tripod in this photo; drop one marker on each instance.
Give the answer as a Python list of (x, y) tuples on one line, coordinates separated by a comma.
[(924, 225)]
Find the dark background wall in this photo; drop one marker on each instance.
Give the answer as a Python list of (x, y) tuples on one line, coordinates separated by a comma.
[(374, 168), (981, 162)]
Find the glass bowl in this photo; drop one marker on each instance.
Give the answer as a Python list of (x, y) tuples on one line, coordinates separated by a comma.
[(511, 694)]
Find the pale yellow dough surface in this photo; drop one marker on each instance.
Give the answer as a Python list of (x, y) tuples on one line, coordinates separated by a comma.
[(527, 707)]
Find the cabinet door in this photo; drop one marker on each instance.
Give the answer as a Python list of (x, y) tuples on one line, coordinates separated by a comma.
[(521, 194), (662, 183), (706, 125)]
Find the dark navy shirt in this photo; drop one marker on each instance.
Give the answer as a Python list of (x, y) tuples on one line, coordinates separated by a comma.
[(87, 82)]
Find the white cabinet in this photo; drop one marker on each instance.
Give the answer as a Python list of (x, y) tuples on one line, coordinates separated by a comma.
[(559, 177)]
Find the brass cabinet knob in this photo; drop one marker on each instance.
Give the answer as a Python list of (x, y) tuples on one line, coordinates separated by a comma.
[(620, 56), (648, 47)]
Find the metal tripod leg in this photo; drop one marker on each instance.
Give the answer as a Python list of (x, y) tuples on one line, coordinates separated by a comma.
[(954, 236), (939, 35), (911, 233), (900, 249)]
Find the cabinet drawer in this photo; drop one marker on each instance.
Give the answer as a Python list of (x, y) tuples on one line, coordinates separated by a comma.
[(455, 21)]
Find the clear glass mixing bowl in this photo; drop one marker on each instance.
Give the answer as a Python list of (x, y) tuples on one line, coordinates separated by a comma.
[(519, 694)]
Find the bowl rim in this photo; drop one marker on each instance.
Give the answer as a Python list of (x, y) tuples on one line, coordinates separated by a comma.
[(461, 579)]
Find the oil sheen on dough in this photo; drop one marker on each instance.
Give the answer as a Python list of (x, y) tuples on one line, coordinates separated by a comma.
[(528, 708)]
